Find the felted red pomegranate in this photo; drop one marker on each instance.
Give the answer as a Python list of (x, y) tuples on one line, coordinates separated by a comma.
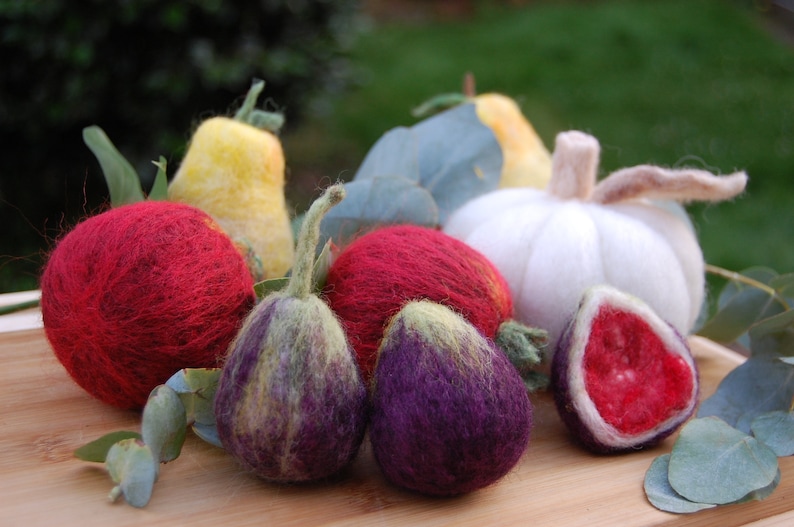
[(622, 377), (374, 276), (132, 295)]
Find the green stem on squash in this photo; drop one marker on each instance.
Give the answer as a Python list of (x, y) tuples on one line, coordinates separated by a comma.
[(250, 114), (738, 277), (300, 283)]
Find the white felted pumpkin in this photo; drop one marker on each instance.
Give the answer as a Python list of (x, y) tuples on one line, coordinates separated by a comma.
[(552, 244)]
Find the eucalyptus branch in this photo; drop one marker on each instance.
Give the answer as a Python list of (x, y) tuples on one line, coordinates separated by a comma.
[(738, 277), (21, 306)]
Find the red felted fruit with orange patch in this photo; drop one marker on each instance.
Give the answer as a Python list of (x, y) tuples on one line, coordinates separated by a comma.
[(623, 378), (132, 295), (379, 272)]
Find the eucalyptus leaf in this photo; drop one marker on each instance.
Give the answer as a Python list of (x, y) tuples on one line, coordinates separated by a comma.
[(196, 389), (159, 191), (132, 466), (762, 493), (784, 285), (164, 423), (208, 433), (755, 387), (97, 450), (271, 285), (712, 462), (773, 336), (321, 266), (453, 155), (393, 154), (662, 495), (122, 180), (738, 313), (375, 202), (775, 430)]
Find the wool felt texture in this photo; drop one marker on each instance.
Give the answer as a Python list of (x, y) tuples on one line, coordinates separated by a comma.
[(622, 377), (290, 404), (131, 295), (235, 172), (450, 415), (551, 245), (379, 272), (526, 162)]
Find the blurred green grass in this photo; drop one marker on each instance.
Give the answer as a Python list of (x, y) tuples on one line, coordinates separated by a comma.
[(675, 83)]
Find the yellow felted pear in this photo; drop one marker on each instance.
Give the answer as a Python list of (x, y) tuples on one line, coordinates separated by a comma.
[(234, 171), (526, 162)]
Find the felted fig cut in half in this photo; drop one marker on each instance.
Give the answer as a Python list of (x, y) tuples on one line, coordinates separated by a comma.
[(622, 377)]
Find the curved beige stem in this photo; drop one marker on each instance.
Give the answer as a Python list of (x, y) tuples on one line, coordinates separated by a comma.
[(647, 181)]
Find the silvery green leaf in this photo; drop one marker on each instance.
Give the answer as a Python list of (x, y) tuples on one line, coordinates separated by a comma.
[(196, 389), (712, 462), (97, 450), (271, 285), (393, 154), (775, 430), (453, 155), (164, 423), (133, 468), (773, 336), (159, 191), (123, 181), (755, 387), (763, 493), (321, 266), (208, 433), (661, 494), (378, 201), (740, 306)]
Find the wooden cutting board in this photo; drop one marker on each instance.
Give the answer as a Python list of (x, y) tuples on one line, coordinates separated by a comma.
[(44, 416)]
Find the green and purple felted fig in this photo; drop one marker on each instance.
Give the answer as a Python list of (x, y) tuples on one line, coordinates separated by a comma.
[(623, 378), (290, 404), (450, 414)]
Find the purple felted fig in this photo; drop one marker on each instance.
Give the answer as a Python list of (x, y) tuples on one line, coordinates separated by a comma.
[(290, 404), (450, 414), (622, 377)]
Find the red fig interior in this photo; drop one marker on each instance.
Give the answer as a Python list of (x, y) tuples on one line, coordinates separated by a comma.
[(632, 377)]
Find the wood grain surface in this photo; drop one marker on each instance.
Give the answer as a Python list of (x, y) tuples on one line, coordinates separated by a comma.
[(44, 416)]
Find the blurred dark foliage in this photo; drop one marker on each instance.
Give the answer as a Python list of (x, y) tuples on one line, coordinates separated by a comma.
[(146, 71)]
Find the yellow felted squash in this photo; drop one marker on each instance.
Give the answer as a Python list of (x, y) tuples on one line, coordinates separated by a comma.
[(234, 171)]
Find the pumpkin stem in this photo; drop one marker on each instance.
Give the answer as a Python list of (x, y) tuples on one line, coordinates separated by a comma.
[(647, 181), (574, 165)]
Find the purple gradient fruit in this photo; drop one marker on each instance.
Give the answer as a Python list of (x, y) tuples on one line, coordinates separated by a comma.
[(290, 405), (450, 414), (622, 377)]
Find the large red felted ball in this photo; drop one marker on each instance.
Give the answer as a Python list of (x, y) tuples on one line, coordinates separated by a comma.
[(379, 272), (131, 295)]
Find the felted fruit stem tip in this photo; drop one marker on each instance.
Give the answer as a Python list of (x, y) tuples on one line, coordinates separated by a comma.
[(300, 283)]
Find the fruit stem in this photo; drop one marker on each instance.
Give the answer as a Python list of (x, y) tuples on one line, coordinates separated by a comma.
[(300, 283), (250, 114), (738, 277), (574, 166)]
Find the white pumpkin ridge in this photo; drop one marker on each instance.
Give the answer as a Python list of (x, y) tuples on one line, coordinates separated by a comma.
[(552, 244)]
